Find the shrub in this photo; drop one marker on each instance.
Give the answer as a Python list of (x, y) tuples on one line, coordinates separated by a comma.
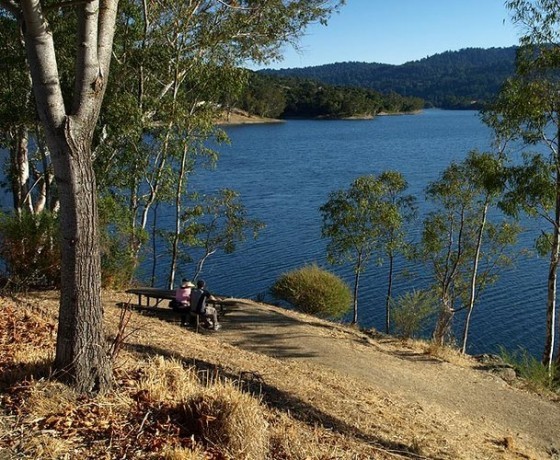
[(118, 263), (530, 369), (315, 291), (30, 250), (411, 311)]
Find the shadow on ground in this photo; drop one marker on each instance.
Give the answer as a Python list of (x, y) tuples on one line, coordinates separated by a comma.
[(278, 399)]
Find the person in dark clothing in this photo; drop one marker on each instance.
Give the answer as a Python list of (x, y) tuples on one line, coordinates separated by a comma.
[(199, 297)]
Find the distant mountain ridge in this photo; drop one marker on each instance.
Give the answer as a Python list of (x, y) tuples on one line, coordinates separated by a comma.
[(467, 78)]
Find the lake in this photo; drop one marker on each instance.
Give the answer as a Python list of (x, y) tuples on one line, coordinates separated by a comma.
[(286, 171)]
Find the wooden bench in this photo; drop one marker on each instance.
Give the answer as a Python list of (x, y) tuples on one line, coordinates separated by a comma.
[(148, 296), (150, 303), (151, 296)]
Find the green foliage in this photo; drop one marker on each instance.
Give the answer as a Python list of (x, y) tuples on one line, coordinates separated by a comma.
[(527, 110), (465, 249), (367, 218), (117, 262), (465, 79), (177, 67), (29, 248), (463, 195), (263, 96), (16, 106), (352, 221), (411, 312), (283, 97), (218, 222), (401, 209), (534, 372), (314, 291), (531, 187)]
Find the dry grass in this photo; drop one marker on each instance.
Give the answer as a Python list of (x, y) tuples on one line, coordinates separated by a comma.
[(161, 407), (185, 396), (167, 380), (232, 420)]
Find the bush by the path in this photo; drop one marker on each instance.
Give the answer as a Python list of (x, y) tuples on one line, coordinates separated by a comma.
[(314, 291)]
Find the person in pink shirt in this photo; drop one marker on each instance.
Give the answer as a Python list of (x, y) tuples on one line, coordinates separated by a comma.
[(183, 294), (182, 299)]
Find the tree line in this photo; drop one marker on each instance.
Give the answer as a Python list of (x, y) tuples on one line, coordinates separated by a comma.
[(462, 243), (464, 79), (282, 97), (462, 247)]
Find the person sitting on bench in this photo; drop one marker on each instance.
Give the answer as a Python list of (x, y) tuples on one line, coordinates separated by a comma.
[(199, 307), (182, 299)]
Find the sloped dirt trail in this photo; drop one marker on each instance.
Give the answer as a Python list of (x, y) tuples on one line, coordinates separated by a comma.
[(455, 394)]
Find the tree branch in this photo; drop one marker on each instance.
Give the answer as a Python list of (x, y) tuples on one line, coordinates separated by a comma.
[(87, 64), (95, 38), (107, 20), (234, 7), (42, 62)]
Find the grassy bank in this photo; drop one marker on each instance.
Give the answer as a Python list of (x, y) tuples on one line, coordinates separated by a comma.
[(181, 395)]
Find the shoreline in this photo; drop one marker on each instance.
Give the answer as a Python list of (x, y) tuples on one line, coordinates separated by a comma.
[(239, 117)]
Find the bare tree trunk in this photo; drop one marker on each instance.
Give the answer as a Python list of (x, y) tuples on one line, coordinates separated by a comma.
[(81, 353), (154, 245), (200, 263), (44, 180), (152, 197), (41, 187), (20, 170), (357, 271), (178, 225), (389, 293), (549, 347), (474, 274), (355, 303), (442, 332)]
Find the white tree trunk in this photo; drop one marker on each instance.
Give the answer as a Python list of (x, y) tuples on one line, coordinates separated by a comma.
[(474, 275), (19, 151)]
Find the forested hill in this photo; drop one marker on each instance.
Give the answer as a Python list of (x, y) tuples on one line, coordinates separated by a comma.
[(455, 79)]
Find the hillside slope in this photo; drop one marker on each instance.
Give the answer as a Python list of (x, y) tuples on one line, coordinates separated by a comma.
[(454, 79), (348, 394)]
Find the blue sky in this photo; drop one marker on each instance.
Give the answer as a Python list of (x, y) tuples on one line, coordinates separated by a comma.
[(398, 31)]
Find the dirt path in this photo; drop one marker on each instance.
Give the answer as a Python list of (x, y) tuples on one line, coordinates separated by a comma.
[(448, 391)]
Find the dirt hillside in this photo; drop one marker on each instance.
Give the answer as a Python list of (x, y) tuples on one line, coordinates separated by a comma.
[(466, 397), (359, 395)]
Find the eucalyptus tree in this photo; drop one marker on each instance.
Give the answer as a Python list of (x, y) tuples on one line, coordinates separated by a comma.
[(28, 178), (178, 71), (217, 223), (457, 237), (444, 243), (364, 220), (392, 239), (493, 242), (81, 355), (69, 116), (527, 109)]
